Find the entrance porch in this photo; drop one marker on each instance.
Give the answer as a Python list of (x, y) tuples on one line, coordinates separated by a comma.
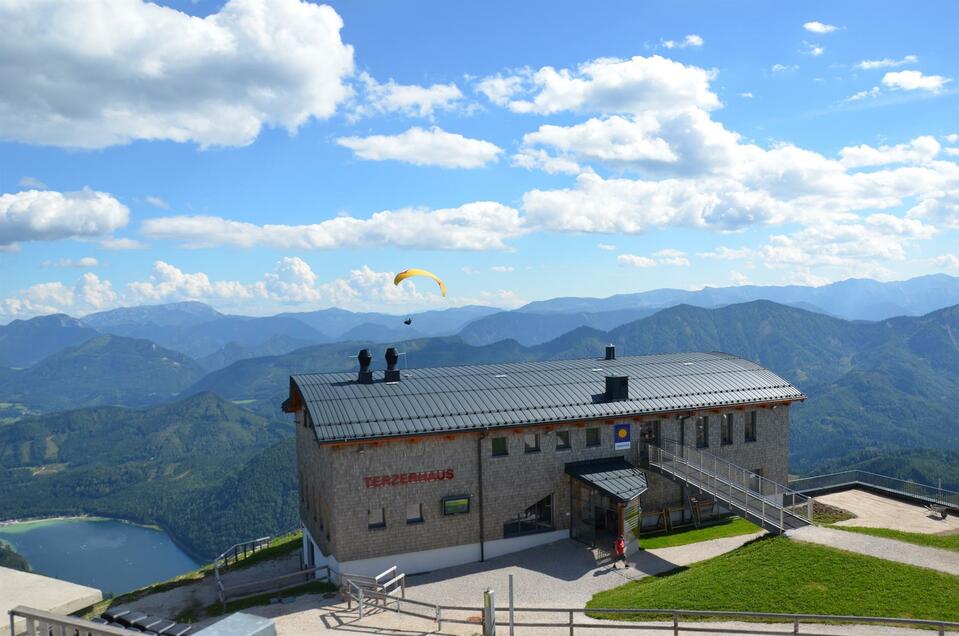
[(604, 502)]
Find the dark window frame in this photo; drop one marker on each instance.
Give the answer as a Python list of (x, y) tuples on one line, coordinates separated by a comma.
[(531, 520), (379, 525), (599, 437), (568, 444), (505, 451), (726, 429), (531, 449), (413, 520), (751, 430), (702, 432)]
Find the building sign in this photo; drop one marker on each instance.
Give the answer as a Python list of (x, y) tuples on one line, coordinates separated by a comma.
[(621, 436), (456, 505), (402, 479)]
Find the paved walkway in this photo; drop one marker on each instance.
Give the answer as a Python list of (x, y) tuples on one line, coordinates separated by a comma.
[(560, 574), (889, 549), (875, 511)]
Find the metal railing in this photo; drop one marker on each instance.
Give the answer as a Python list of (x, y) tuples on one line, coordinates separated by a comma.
[(770, 502), (42, 623), (271, 585), (389, 585), (653, 619), (852, 478)]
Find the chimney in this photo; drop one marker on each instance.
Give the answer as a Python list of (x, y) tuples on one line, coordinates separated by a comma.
[(617, 388), (365, 376), (392, 373), (610, 352)]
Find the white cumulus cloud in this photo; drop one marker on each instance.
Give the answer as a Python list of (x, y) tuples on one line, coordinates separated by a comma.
[(635, 260), (86, 261), (45, 215), (819, 27), (919, 150), (408, 99), (611, 85), (100, 73), (434, 147), (914, 81), (482, 225), (868, 65), (690, 40)]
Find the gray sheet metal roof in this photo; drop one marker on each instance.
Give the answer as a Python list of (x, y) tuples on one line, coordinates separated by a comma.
[(614, 476), (446, 399)]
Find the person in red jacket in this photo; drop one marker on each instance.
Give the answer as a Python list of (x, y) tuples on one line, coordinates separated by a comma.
[(620, 547)]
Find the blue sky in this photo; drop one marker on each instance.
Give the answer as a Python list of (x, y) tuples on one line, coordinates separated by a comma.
[(256, 156)]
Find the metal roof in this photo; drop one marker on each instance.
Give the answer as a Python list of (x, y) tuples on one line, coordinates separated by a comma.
[(613, 475), (476, 397)]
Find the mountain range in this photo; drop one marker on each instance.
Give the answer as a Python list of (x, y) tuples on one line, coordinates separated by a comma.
[(123, 426)]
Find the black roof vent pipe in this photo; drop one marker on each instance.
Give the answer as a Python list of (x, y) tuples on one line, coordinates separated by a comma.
[(365, 376), (392, 373), (610, 352)]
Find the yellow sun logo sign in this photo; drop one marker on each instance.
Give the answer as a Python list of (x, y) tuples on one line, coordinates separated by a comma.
[(622, 433)]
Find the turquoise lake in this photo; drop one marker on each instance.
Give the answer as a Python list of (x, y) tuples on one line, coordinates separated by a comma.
[(110, 555)]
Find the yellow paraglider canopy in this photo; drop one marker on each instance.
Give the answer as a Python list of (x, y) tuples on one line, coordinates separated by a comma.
[(408, 273)]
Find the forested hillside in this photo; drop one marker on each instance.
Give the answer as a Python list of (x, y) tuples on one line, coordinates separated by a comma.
[(155, 466)]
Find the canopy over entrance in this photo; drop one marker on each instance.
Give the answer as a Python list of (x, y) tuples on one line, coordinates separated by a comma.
[(613, 476)]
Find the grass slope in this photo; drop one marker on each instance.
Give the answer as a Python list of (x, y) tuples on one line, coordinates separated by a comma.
[(777, 574), (732, 527)]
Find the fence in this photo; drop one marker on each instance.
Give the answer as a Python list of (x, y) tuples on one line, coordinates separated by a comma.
[(41, 623), (770, 502), (853, 478), (671, 620), (271, 585)]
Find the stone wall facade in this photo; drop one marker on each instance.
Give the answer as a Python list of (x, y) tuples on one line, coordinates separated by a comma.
[(343, 487)]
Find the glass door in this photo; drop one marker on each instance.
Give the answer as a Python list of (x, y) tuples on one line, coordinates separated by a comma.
[(583, 520)]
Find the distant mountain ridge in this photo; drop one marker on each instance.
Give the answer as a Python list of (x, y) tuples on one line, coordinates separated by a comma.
[(102, 370), (852, 299), (25, 342)]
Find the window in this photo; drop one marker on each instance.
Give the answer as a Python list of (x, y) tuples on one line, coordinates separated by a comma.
[(456, 505), (750, 433), (726, 428), (499, 447), (592, 437), (702, 432), (414, 513), (536, 518), (531, 442), (562, 440), (376, 518), (751, 426)]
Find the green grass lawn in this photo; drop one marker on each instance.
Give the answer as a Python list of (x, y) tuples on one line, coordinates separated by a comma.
[(776, 574), (945, 542), (732, 527)]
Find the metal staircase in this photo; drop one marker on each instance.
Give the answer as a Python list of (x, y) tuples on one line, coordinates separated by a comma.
[(767, 503)]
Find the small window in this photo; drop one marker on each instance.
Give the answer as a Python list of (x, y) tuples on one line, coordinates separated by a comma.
[(376, 518), (414, 513), (562, 440), (592, 437), (751, 426), (702, 432), (500, 447), (456, 505), (726, 426), (531, 442)]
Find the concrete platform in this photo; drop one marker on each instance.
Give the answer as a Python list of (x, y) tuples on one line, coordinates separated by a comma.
[(40, 592), (876, 511)]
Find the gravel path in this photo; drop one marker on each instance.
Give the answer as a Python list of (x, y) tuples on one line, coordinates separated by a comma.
[(889, 549)]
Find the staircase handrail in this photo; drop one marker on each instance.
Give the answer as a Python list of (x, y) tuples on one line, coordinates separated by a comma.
[(780, 492)]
